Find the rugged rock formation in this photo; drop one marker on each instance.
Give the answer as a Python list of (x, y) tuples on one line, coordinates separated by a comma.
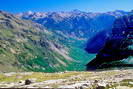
[(118, 47)]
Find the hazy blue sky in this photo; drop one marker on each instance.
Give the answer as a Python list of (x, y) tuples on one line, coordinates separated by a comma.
[(65, 5)]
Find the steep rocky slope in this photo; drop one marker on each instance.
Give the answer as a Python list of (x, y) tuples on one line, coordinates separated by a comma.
[(118, 49), (96, 43), (28, 46)]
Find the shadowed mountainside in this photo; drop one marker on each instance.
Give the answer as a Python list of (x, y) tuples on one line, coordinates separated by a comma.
[(118, 48), (96, 43)]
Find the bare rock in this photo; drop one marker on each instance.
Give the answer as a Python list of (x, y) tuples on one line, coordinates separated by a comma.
[(100, 87), (28, 82)]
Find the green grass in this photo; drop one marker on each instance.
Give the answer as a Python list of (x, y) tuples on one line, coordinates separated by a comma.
[(125, 82), (7, 33), (38, 75)]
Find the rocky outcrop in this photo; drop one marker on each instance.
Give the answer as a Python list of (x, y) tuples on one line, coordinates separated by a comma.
[(118, 47)]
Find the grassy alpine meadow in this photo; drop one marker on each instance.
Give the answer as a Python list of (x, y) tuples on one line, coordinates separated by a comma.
[(110, 79)]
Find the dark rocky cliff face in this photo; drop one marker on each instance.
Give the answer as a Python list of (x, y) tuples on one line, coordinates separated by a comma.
[(97, 42), (118, 48)]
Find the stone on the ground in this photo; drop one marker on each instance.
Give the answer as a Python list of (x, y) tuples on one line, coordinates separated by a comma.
[(27, 82)]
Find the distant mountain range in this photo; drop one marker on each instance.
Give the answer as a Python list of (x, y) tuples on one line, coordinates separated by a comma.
[(76, 23), (51, 41)]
